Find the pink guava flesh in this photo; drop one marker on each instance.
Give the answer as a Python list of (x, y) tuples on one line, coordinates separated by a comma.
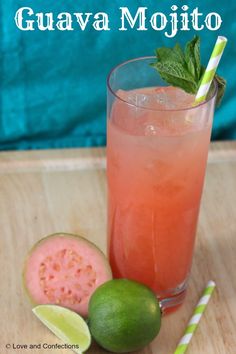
[(65, 269)]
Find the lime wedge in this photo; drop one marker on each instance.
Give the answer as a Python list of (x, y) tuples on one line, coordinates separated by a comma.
[(66, 325)]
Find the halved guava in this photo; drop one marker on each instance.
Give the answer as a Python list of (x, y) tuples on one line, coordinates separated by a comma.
[(65, 269)]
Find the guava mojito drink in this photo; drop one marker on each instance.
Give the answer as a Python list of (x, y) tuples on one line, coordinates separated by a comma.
[(156, 159)]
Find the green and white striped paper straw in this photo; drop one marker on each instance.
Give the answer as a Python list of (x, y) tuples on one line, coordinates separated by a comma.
[(211, 69), (197, 314)]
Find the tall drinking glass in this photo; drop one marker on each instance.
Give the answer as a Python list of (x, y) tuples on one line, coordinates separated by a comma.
[(156, 159)]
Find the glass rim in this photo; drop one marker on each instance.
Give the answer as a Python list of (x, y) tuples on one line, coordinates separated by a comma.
[(153, 109)]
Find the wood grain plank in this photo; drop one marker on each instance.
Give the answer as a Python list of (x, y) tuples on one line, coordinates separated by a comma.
[(52, 160), (87, 158)]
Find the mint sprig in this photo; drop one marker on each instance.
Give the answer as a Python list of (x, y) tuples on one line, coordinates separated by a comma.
[(183, 69)]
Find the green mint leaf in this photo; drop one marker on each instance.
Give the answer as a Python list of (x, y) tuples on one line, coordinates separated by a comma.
[(189, 87), (221, 82), (221, 89), (179, 53), (202, 70), (176, 75), (168, 54), (174, 69), (197, 56), (192, 57), (165, 53)]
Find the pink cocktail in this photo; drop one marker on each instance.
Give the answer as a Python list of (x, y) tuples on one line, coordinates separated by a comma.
[(156, 158)]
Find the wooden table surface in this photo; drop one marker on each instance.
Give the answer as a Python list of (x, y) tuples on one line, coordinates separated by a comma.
[(42, 192)]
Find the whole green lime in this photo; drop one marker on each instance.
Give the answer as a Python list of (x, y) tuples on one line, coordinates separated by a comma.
[(124, 315)]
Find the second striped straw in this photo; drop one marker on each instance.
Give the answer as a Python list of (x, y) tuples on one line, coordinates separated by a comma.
[(194, 321)]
